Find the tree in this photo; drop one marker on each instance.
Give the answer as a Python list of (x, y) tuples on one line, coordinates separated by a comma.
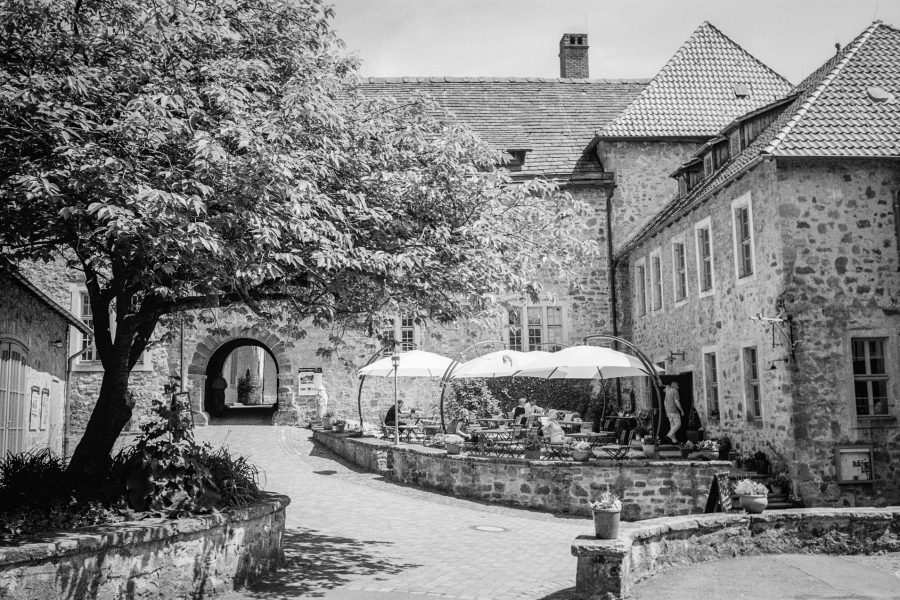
[(199, 153)]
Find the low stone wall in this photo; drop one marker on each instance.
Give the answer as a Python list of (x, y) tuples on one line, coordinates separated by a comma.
[(650, 547), (649, 488), (202, 556)]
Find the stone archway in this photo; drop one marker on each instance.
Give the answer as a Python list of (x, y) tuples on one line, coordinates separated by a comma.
[(211, 352)]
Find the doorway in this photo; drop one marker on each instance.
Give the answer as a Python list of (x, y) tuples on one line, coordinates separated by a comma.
[(241, 383), (686, 397)]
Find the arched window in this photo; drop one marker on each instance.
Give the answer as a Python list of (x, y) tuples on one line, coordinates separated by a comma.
[(13, 357)]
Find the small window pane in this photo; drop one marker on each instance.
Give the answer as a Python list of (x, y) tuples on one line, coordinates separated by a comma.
[(862, 397)]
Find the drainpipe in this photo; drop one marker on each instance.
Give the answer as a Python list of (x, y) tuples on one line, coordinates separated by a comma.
[(611, 273)]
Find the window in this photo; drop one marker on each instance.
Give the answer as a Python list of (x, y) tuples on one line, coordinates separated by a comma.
[(742, 221), (711, 375), (708, 164), (751, 384), (88, 352), (734, 142), (705, 274), (655, 281), (401, 329), (679, 270), (13, 358), (543, 328), (640, 287), (870, 380)]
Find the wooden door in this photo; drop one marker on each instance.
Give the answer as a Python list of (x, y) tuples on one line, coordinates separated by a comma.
[(12, 397)]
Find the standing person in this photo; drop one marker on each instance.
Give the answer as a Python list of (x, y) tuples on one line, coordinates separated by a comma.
[(673, 410)]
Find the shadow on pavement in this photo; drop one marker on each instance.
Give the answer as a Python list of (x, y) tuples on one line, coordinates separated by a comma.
[(568, 594), (316, 563)]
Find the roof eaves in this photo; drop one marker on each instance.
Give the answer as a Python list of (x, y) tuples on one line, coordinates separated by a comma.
[(59, 310), (772, 147)]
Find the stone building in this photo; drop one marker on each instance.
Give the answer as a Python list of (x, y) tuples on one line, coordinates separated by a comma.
[(770, 285), (34, 365)]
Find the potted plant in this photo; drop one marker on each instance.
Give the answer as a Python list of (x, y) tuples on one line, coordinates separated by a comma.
[(780, 483), (708, 449), (453, 443), (754, 495), (724, 447), (339, 425), (649, 446), (606, 511), (532, 446), (581, 450), (694, 431), (745, 461), (326, 420), (761, 462), (686, 449)]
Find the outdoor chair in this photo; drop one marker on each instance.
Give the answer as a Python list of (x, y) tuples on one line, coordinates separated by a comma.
[(556, 450), (619, 450)]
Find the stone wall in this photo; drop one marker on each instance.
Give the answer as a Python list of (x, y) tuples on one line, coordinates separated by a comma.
[(648, 488), (27, 321), (204, 556), (826, 254), (652, 547)]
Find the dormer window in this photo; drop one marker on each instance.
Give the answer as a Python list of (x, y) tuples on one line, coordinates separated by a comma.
[(741, 90), (513, 159), (708, 164)]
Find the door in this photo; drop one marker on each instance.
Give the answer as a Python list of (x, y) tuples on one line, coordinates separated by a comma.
[(12, 397), (686, 397)]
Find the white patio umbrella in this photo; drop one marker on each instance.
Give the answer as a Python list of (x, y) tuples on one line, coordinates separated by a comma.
[(415, 363), (502, 363), (585, 362)]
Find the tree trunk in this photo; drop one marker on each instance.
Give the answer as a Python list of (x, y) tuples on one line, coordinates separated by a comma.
[(91, 458)]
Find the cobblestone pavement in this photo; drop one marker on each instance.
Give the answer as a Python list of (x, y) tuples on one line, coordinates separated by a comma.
[(352, 535)]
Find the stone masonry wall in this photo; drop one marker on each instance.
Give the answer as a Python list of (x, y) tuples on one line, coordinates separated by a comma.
[(199, 557), (648, 488), (27, 320), (841, 253)]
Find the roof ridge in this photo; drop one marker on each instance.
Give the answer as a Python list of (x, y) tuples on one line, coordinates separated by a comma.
[(446, 79), (848, 53), (747, 52)]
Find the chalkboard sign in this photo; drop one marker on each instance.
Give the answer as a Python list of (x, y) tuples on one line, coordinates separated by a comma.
[(719, 494)]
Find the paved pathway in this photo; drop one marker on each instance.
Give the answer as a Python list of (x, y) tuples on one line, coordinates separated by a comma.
[(351, 535)]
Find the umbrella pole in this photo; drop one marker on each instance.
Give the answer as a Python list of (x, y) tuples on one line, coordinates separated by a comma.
[(396, 412)]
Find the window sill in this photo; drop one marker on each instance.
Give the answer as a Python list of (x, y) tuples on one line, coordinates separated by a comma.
[(96, 367), (885, 422), (755, 421)]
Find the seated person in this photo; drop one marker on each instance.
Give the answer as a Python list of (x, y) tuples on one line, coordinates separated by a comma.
[(460, 426), (391, 417), (529, 410), (553, 431), (519, 410)]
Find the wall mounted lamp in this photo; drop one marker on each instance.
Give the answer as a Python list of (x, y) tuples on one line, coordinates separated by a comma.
[(773, 367)]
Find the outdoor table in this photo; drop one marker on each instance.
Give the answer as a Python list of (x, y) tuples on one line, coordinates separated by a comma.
[(493, 422), (501, 441), (574, 426), (430, 427), (594, 439)]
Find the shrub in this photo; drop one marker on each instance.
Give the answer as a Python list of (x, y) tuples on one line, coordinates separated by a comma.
[(748, 487), (248, 388)]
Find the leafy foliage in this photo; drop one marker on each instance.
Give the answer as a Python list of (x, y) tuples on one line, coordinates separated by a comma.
[(219, 153), (248, 389)]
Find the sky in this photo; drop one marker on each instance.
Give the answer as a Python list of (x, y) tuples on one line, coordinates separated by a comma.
[(629, 39)]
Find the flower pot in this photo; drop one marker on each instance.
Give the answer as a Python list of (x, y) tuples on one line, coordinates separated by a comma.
[(754, 504), (582, 455), (533, 454), (453, 448), (326, 423), (606, 524), (649, 450), (737, 464), (339, 428), (709, 455), (685, 453)]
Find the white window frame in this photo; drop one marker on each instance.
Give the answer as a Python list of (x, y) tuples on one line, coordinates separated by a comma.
[(687, 290), (642, 300), (747, 381), (743, 202), (704, 352), (76, 338), (705, 224), (885, 329), (399, 327), (546, 326), (655, 279)]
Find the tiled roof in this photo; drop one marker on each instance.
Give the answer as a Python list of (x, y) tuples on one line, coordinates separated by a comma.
[(838, 117), (694, 95), (555, 119), (8, 270), (865, 128)]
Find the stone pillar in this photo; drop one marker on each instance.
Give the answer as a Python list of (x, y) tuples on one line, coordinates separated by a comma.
[(288, 412)]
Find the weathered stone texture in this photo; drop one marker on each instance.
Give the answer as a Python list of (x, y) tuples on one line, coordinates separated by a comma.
[(205, 556), (652, 547), (648, 488)]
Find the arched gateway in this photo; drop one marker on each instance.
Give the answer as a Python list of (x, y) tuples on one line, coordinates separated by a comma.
[(206, 372)]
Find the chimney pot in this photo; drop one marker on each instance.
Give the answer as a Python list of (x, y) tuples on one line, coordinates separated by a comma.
[(573, 56)]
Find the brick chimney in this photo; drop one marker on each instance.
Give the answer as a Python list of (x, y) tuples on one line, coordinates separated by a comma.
[(573, 56)]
